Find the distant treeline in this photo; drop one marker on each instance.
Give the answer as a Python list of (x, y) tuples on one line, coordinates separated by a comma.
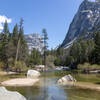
[(14, 53), (80, 52)]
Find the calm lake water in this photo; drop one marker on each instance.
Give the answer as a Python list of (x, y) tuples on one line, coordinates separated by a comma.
[(47, 89)]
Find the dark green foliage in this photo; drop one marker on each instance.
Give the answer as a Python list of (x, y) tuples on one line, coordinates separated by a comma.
[(6, 29), (59, 57), (15, 35), (82, 50), (35, 58), (69, 60), (45, 38), (5, 37), (22, 49), (9, 45), (97, 48), (79, 52), (75, 51), (57, 62)]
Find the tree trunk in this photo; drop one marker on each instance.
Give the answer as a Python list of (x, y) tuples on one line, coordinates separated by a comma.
[(18, 45)]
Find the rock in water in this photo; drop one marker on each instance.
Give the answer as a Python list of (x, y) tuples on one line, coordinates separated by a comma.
[(8, 95), (66, 80), (33, 74)]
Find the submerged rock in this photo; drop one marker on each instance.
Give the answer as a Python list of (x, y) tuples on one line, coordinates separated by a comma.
[(33, 74), (66, 80), (8, 95)]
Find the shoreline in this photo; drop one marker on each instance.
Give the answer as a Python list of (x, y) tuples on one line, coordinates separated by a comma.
[(82, 85), (87, 85), (20, 82)]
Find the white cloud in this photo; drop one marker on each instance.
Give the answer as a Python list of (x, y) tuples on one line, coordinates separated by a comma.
[(2, 21), (1, 27)]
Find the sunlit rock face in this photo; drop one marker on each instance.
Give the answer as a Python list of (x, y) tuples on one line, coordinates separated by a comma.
[(97, 0), (84, 23), (10, 95), (34, 41)]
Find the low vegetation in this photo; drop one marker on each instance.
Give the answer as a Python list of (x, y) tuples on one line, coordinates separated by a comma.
[(80, 77), (89, 66), (79, 53), (11, 76)]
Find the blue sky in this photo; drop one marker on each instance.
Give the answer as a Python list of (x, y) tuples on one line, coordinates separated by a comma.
[(54, 15)]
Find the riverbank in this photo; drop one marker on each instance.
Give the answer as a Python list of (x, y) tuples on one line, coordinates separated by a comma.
[(87, 85), (84, 81), (5, 76), (53, 91), (20, 82)]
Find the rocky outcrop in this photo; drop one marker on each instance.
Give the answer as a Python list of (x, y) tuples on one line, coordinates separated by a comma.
[(8, 95), (34, 41), (33, 74), (66, 80), (85, 22)]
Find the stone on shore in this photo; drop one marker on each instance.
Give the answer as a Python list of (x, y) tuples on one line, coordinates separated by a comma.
[(33, 74), (66, 80), (8, 95)]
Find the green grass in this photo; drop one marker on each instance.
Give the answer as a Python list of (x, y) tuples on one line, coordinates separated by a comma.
[(82, 94), (88, 66), (7, 77), (93, 78)]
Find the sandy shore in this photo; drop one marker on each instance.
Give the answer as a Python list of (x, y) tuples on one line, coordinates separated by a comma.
[(86, 85), (20, 82)]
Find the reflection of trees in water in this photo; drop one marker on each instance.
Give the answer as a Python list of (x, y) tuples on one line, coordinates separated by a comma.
[(31, 93)]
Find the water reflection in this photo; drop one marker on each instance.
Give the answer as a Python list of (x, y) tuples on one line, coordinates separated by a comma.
[(47, 89), (53, 91)]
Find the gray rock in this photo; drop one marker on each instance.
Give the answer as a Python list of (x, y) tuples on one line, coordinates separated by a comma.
[(34, 41), (84, 23), (33, 74), (66, 80), (8, 95)]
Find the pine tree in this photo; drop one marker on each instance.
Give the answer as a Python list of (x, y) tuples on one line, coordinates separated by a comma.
[(45, 38), (15, 35), (5, 41), (21, 52), (97, 48), (6, 29), (74, 51), (35, 58)]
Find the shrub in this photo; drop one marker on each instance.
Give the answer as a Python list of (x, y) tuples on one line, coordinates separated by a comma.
[(2, 65), (88, 66), (20, 66)]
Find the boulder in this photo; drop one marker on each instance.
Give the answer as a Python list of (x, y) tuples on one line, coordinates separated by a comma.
[(33, 74), (66, 80), (8, 95)]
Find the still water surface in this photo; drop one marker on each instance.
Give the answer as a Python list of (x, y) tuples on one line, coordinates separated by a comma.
[(48, 89)]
